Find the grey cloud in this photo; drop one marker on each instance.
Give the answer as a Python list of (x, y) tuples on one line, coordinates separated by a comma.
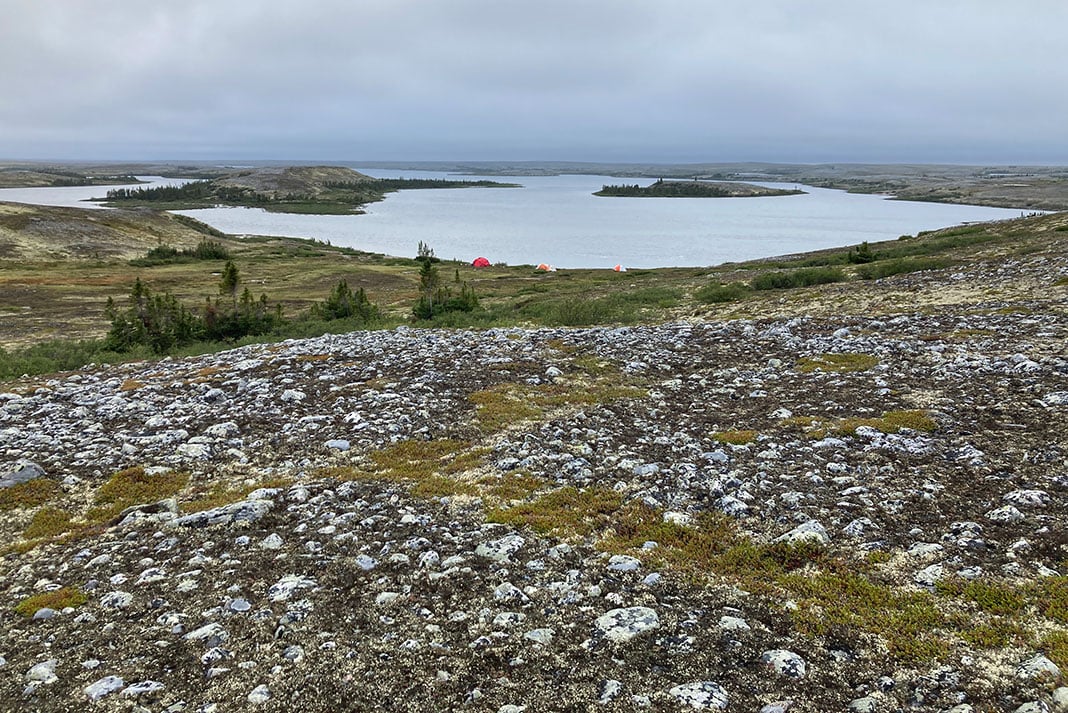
[(832, 80)]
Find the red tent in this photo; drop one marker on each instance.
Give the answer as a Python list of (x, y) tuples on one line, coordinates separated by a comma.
[(480, 262)]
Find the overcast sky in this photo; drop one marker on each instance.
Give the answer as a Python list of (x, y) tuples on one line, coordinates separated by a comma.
[(961, 81)]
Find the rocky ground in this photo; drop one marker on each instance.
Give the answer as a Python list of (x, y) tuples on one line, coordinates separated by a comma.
[(861, 513)]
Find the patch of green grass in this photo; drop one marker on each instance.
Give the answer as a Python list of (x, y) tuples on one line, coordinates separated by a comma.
[(889, 422), (1053, 598), (837, 362), (735, 437), (29, 494), (565, 512), (57, 599), (48, 522), (511, 486), (134, 486)]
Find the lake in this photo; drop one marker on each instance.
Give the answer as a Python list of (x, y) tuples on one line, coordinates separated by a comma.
[(556, 220)]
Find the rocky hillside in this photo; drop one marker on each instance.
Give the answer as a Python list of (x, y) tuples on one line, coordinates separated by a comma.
[(34, 233), (779, 514), (282, 181)]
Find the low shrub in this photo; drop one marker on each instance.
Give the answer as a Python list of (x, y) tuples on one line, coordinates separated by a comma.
[(806, 277)]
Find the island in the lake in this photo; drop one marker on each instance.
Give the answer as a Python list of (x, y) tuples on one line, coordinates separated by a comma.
[(288, 189), (694, 189)]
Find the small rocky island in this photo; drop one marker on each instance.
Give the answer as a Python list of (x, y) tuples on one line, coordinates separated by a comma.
[(694, 189)]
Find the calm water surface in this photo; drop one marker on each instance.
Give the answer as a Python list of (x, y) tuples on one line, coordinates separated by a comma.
[(555, 219)]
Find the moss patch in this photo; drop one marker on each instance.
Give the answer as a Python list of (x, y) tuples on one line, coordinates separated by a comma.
[(134, 486), (29, 494), (837, 363), (57, 599), (48, 522), (735, 437), (565, 512)]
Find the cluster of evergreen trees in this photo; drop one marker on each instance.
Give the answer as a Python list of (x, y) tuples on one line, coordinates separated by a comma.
[(435, 297), (162, 323)]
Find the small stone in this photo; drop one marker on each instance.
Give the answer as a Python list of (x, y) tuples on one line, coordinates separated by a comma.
[(624, 563), (1006, 514), (1038, 668), (239, 605), (701, 695), (338, 444), (104, 686), (44, 672), (785, 663), (500, 550), (259, 695), (44, 613), (811, 531)]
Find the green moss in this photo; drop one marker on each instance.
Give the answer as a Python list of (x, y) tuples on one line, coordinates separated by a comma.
[(57, 599), (735, 437), (504, 405), (1055, 646), (566, 512), (134, 486), (48, 522), (1052, 595), (990, 597), (837, 363), (415, 460), (29, 494)]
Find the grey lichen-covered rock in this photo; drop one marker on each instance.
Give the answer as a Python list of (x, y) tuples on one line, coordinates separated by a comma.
[(23, 472), (1039, 667), (500, 550), (242, 512), (702, 695), (784, 662), (621, 626), (807, 532), (103, 687)]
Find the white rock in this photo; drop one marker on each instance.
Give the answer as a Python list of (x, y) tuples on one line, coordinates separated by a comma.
[(500, 550), (811, 531), (622, 625), (540, 636), (104, 686), (1037, 668), (785, 663), (733, 623), (701, 695), (259, 695)]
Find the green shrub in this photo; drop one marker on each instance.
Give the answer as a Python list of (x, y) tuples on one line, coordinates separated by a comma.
[(886, 268), (343, 303), (806, 277), (715, 294)]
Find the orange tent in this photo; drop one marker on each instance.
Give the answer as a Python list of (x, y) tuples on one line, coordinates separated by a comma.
[(619, 268), (546, 267), (480, 262)]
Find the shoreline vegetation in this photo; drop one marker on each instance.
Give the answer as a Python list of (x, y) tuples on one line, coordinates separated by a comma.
[(694, 189), (60, 266)]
